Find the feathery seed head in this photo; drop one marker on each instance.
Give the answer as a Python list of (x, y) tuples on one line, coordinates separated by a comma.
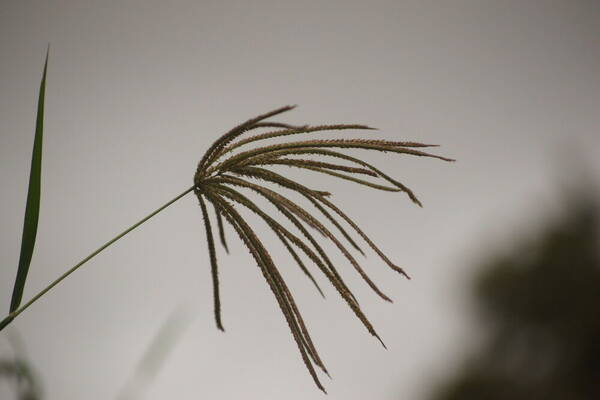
[(221, 173)]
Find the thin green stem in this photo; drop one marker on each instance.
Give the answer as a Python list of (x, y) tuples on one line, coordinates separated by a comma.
[(18, 311)]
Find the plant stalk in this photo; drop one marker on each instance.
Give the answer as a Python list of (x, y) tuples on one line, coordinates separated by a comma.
[(18, 311)]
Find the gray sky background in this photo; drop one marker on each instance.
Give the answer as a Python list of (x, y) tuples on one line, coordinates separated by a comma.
[(137, 91)]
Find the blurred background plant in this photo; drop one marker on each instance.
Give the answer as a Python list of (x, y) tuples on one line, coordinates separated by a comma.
[(17, 374), (155, 355), (538, 309)]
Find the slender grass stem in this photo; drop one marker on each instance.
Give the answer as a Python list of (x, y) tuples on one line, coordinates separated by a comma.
[(18, 311)]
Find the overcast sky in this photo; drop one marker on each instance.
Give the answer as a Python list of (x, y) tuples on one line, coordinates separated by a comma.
[(137, 91)]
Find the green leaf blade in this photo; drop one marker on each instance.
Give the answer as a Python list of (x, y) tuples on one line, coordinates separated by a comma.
[(33, 200)]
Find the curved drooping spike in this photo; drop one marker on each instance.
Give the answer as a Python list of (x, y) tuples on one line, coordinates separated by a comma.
[(213, 262)]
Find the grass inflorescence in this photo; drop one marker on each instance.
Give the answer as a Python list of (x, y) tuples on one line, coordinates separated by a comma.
[(231, 167)]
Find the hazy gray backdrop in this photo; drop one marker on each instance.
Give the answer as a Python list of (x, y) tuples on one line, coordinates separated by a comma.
[(137, 90)]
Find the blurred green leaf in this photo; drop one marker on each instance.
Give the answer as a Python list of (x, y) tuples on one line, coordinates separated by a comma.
[(33, 200), (156, 354)]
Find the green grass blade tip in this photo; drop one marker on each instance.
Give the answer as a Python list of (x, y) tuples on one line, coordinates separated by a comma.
[(32, 208)]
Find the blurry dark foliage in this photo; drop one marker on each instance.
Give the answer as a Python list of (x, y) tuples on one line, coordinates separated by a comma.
[(19, 373), (540, 309)]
